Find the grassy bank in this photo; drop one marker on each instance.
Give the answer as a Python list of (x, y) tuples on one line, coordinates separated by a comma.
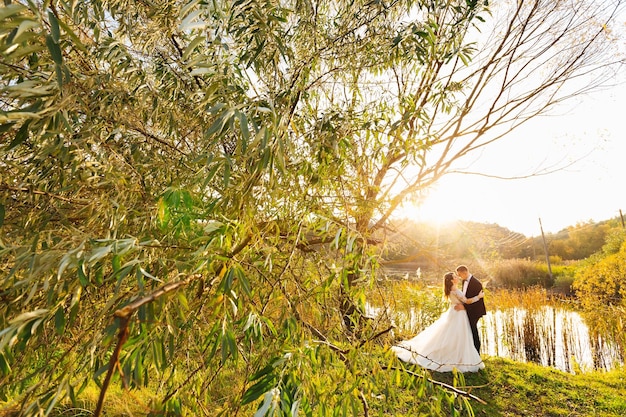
[(513, 388), (520, 389), (508, 388)]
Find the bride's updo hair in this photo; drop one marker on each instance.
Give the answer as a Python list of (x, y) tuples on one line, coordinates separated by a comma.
[(447, 283)]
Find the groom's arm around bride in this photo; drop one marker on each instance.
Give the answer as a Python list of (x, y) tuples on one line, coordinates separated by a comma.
[(471, 288)]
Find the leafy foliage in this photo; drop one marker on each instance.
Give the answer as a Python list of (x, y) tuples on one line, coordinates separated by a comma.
[(521, 273), (600, 279), (599, 284), (190, 190)]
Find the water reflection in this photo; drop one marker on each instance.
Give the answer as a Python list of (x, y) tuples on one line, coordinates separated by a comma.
[(548, 336)]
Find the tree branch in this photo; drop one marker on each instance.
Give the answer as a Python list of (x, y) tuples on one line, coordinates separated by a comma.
[(124, 315), (441, 384), (4, 187)]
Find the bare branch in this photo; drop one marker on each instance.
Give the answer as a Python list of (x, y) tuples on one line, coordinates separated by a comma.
[(447, 387)]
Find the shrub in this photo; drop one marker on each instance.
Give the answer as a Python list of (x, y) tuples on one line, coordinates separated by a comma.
[(521, 273), (600, 281)]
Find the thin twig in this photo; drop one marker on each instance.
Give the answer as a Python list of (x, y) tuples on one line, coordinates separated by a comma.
[(441, 384), (124, 314), (121, 338), (38, 192), (377, 335), (129, 309), (366, 408)]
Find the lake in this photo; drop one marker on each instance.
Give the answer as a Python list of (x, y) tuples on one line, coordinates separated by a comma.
[(547, 336)]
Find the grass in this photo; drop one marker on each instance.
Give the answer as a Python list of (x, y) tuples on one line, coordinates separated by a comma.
[(523, 389), (119, 402), (509, 388)]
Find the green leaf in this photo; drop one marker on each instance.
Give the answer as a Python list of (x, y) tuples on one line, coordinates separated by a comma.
[(54, 49), (229, 346), (59, 321), (187, 199), (226, 172), (262, 386), (59, 73), (4, 365), (74, 311), (216, 108), (192, 45), (267, 369), (218, 125), (227, 282), (116, 263), (211, 173), (72, 394), (1, 214), (82, 276), (172, 196), (270, 325), (76, 42), (20, 136), (245, 132), (183, 300), (123, 272), (6, 127), (99, 275), (54, 27), (163, 213), (100, 372), (243, 281), (8, 10)]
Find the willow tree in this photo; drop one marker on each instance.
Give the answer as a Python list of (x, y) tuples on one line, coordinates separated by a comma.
[(190, 190), (396, 125)]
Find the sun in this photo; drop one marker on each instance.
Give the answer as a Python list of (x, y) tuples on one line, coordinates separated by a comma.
[(438, 208)]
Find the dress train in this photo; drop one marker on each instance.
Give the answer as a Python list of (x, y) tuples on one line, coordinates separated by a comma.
[(445, 345)]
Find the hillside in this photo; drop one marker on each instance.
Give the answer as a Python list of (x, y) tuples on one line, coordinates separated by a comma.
[(412, 242)]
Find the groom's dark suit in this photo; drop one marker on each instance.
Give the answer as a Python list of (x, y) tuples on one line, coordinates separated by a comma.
[(475, 310)]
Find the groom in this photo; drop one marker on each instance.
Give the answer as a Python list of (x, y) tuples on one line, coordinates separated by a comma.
[(471, 288)]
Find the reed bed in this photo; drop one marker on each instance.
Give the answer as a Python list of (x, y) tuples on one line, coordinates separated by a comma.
[(527, 325), (531, 298), (408, 305)]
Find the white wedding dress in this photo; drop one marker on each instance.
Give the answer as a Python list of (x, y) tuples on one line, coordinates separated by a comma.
[(446, 344)]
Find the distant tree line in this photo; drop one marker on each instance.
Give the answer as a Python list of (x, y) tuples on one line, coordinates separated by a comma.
[(421, 243)]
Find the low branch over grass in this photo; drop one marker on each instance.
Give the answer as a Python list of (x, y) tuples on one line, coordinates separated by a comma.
[(445, 386), (124, 315)]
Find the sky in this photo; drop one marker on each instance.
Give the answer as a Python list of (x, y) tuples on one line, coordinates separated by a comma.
[(587, 138)]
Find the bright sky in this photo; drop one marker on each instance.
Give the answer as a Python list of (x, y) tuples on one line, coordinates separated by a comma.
[(591, 133)]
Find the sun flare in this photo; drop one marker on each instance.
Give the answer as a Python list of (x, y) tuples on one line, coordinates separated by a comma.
[(437, 209)]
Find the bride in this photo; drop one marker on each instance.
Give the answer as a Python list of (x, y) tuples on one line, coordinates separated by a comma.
[(446, 344)]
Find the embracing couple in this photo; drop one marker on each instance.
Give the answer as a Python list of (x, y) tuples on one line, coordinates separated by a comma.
[(451, 342)]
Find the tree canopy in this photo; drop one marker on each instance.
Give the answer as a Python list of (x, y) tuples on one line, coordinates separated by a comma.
[(190, 188)]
